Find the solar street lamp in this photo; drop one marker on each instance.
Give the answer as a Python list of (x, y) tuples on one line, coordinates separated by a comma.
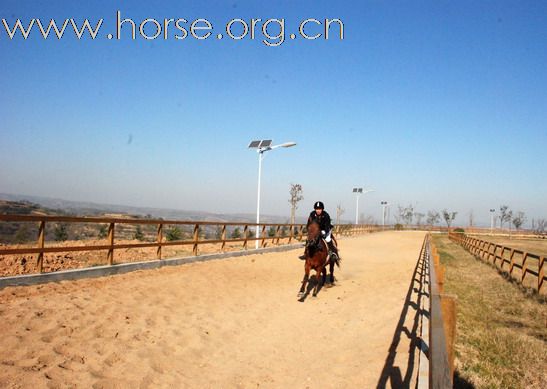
[(384, 205), (261, 147), (358, 192), (492, 219)]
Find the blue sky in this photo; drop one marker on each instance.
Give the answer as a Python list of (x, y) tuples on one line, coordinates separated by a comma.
[(437, 104)]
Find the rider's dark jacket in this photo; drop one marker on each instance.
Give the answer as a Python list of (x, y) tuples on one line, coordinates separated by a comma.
[(323, 220)]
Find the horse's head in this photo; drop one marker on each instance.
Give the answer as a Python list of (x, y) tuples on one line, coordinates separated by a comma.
[(314, 233)]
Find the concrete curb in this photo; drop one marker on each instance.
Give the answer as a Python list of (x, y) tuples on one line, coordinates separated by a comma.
[(101, 271)]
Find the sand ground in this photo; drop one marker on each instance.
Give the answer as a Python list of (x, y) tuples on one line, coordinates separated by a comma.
[(232, 323)]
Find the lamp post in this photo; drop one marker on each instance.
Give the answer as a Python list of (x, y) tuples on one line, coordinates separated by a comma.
[(492, 220), (261, 147), (384, 205), (358, 192)]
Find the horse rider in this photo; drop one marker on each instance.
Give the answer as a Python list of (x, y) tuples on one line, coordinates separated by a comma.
[(321, 216)]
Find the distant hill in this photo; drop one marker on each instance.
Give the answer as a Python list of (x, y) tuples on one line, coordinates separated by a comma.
[(16, 232), (60, 206)]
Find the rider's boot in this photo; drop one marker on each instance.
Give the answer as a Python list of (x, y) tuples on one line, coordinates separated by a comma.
[(333, 251)]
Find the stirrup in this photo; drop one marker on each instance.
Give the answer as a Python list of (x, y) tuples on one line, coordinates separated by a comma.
[(302, 257)]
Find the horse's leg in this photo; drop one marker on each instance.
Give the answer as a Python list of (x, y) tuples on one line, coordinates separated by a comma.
[(331, 271), (305, 280), (317, 277)]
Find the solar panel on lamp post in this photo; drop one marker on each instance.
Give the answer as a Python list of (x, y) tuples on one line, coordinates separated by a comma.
[(261, 147)]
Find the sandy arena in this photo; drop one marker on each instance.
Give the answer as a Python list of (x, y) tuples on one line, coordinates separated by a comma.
[(233, 323)]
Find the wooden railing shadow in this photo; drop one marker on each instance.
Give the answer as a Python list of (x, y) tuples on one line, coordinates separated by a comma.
[(401, 376)]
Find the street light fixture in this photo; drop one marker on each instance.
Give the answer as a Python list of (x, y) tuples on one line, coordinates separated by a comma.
[(384, 205), (261, 147), (358, 192), (492, 219)]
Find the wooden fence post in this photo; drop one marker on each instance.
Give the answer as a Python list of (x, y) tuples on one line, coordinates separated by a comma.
[(196, 239), (290, 233), (263, 243), (541, 272), (159, 238), (245, 233), (41, 242), (110, 256), (523, 267), (448, 308), (223, 238)]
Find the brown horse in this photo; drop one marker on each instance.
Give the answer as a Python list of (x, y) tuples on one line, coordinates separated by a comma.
[(317, 258)]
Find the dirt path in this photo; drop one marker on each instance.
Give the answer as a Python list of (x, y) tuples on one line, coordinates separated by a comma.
[(232, 323)]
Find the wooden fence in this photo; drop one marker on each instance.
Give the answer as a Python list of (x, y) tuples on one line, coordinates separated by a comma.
[(519, 264), (284, 233), (442, 322)]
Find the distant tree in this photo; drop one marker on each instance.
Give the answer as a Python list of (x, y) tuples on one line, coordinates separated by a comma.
[(405, 214), (295, 193), (173, 233), (218, 232), (236, 233), (138, 233), (103, 232), (519, 220), (505, 215), (471, 218), (22, 234), (339, 212), (271, 231), (541, 224), (284, 231), (60, 232), (449, 217), (419, 217), (433, 217)]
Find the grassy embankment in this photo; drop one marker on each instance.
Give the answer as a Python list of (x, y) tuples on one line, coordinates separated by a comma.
[(501, 339)]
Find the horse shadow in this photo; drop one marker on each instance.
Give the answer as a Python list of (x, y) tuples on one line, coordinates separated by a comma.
[(311, 284)]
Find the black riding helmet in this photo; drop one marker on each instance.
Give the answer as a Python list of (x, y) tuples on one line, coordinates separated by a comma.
[(319, 205)]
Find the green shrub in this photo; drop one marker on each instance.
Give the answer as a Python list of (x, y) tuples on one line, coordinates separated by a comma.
[(138, 233), (173, 234), (236, 234), (60, 232)]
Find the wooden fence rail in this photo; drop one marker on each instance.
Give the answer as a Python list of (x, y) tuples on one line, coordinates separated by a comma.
[(442, 322), (518, 264), (288, 232)]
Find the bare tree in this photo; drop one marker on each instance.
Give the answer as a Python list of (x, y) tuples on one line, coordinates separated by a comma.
[(419, 216), (505, 215), (339, 212), (471, 218), (541, 224), (519, 220), (295, 197), (433, 217), (449, 217), (405, 213)]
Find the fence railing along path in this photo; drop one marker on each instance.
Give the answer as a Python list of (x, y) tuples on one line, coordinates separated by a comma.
[(519, 264), (276, 233), (442, 322)]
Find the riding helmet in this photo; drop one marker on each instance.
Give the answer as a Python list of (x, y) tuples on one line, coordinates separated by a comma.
[(319, 205)]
